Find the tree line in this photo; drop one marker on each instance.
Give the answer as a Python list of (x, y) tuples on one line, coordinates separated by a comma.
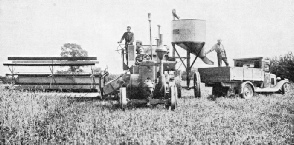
[(283, 66)]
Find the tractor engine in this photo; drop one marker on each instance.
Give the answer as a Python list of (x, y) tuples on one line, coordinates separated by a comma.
[(142, 80), (145, 82)]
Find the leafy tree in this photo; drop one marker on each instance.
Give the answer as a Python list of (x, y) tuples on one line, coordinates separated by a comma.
[(283, 66), (73, 50)]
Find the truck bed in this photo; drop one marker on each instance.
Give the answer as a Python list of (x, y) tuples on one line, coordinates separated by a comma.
[(227, 74)]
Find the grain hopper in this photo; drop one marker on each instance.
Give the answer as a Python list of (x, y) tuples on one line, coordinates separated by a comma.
[(190, 35)]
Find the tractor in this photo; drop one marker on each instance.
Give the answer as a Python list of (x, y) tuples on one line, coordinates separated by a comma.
[(156, 80), (152, 81)]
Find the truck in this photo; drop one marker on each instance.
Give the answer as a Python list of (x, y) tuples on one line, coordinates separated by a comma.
[(247, 77)]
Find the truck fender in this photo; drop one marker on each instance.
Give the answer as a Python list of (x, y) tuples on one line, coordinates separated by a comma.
[(243, 84), (280, 84)]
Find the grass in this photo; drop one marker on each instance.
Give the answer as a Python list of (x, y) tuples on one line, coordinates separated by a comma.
[(29, 118)]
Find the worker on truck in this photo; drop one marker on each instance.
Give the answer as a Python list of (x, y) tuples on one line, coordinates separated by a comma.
[(221, 52), (129, 39)]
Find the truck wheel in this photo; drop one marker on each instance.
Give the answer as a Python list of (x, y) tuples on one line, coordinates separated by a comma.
[(285, 88), (247, 92), (174, 97), (197, 81), (123, 98)]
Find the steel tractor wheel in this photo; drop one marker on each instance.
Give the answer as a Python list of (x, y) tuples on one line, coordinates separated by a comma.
[(247, 91), (285, 88), (174, 97), (123, 98), (197, 81), (179, 89)]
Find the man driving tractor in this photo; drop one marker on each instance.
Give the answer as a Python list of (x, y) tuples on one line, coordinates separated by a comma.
[(129, 39)]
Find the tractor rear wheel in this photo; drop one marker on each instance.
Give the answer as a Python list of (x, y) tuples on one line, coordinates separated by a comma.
[(285, 88), (247, 91), (174, 97), (123, 98), (197, 81)]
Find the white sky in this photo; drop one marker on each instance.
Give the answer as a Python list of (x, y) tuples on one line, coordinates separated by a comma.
[(248, 28)]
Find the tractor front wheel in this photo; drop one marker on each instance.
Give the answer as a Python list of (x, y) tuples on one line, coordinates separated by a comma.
[(123, 98), (179, 89), (174, 97), (197, 81)]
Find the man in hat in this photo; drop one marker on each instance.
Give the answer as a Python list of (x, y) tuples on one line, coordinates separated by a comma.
[(221, 53)]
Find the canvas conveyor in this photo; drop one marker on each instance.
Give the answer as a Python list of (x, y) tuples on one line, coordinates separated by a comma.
[(92, 81)]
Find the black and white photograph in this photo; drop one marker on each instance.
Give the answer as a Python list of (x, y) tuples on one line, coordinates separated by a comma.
[(147, 72)]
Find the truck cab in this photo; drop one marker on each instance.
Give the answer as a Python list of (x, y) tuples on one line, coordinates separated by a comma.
[(269, 80)]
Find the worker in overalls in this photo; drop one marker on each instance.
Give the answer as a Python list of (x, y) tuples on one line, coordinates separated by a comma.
[(129, 39), (221, 52)]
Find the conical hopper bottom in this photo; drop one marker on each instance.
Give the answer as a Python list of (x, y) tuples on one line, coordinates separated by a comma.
[(196, 49)]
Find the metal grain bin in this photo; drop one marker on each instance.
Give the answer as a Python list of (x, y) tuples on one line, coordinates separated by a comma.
[(189, 30)]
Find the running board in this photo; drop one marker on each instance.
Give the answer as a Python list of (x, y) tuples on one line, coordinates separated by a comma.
[(276, 88), (265, 90)]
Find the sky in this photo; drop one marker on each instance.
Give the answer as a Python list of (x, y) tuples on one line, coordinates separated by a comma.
[(248, 28)]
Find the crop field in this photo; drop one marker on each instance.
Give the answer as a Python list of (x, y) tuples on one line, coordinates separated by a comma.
[(30, 118)]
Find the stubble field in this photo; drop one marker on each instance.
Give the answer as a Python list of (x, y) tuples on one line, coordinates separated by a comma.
[(30, 118)]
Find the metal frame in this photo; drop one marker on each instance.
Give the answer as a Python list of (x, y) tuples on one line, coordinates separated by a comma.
[(27, 61), (12, 74), (188, 65)]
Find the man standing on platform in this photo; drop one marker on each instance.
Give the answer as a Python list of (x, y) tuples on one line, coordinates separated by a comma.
[(221, 53), (128, 37)]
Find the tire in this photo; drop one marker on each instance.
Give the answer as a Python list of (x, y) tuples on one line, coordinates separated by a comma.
[(179, 89), (174, 97), (285, 88), (123, 98), (197, 81), (247, 91)]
